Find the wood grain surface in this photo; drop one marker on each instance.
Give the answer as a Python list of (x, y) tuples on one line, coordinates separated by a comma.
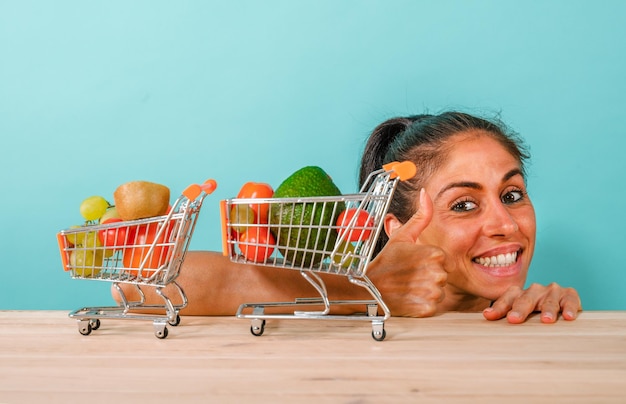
[(456, 357)]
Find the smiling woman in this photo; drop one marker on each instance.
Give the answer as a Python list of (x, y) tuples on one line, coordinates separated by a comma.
[(480, 216)]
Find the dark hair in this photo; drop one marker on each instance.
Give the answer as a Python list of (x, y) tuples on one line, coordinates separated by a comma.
[(423, 139)]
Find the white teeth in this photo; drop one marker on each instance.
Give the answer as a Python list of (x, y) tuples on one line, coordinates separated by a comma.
[(499, 260)]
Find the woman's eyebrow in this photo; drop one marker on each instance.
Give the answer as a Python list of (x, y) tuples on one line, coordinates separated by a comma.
[(512, 173), (460, 184), (475, 185)]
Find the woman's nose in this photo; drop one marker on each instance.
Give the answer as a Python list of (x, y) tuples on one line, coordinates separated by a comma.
[(498, 221)]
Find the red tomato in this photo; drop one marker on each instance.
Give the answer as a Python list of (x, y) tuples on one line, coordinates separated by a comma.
[(257, 243), (144, 237), (361, 228), (115, 236), (257, 190)]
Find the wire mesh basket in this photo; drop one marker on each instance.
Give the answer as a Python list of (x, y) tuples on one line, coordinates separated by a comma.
[(144, 253), (333, 235)]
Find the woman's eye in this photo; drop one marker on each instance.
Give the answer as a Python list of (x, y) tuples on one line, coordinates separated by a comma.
[(512, 196), (464, 206)]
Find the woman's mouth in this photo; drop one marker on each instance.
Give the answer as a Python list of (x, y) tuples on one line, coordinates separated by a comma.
[(499, 260)]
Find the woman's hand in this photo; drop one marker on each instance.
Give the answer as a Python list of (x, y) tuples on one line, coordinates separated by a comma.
[(516, 304), (409, 275)]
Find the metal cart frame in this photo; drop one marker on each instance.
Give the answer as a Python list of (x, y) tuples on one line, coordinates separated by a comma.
[(322, 246), (143, 261)]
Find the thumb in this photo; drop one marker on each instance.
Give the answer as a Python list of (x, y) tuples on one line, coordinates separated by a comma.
[(411, 230)]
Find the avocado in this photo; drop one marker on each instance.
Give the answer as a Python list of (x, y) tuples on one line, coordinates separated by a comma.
[(304, 226)]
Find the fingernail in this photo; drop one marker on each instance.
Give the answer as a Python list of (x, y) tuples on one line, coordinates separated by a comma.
[(547, 316), (570, 314), (515, 314)]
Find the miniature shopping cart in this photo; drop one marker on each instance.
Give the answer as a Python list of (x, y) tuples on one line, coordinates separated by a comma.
[(144, 253), (312, 235)]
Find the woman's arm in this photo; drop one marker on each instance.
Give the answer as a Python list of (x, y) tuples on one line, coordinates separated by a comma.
[(409, 276), (214, 285)]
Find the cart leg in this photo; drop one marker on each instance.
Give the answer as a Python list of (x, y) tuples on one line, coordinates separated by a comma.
[(172, 313), (319, 285), (84, 326), (378, 330), (95, 323), (369, 286), (183, 297), (258, 327), (160, 328), (372, 310), (258, 324)]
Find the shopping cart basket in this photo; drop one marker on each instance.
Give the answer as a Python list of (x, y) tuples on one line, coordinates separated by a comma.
[(144, 253), (309, 235)]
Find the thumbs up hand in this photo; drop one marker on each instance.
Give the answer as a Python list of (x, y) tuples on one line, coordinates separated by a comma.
[(410, 275)]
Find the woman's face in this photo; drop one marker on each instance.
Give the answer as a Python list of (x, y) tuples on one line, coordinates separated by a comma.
[(483, 218)]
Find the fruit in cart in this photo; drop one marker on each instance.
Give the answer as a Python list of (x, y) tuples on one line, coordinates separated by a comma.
[(355, 224), (117, 236), (257, 243), (304, 231), (241, 217), (92, 242), (94, 207), (110, 213), (86, 263), (141, 199), (257, 190), (140, 248), (344, 255), (75, 238)]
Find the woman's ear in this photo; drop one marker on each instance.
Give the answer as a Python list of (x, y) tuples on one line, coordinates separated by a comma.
[(391, 224)]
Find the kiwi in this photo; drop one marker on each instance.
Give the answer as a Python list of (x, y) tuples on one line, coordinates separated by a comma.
[(141, 199)]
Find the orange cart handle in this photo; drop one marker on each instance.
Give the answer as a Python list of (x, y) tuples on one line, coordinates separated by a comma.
[(193, 190), (403, 170)]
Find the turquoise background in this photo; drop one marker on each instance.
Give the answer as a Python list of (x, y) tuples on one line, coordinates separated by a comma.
[(97, 93)]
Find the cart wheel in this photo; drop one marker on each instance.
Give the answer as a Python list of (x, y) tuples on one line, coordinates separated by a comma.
[(84, 327), (257, 328), (95, 324), (379, 335), (175, 322), (161, 334)]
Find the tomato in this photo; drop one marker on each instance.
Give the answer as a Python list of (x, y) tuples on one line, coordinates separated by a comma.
[(360, 229), (139, 248), (257, 243), (115, 236), (257, 190)]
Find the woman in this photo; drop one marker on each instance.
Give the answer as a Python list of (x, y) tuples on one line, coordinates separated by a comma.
[(480, 221), (459, 236)]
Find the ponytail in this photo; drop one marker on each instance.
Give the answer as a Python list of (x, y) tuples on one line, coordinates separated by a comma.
[(378, 144)]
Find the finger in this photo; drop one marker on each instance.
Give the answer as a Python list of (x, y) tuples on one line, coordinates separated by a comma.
[(558, 299), (550, 304), (570, 304), (412, 229), (526, 303), (501, 306)]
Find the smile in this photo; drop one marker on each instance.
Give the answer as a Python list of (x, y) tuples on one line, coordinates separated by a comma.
[(500, 260)]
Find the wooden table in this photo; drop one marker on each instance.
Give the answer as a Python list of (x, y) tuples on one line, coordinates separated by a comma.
[(459, 358)]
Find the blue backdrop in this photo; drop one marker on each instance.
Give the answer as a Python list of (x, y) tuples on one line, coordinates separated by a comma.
[(94, 94)]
